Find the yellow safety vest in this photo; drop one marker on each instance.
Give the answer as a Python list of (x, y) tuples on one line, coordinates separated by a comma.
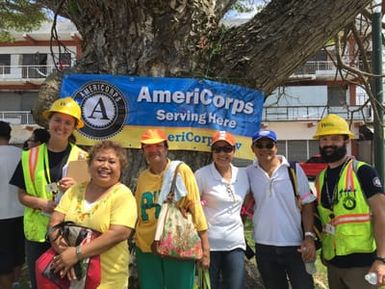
[(32, 160), (350, 215)]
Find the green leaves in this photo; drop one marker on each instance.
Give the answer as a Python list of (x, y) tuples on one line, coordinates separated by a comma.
[(19, 15)]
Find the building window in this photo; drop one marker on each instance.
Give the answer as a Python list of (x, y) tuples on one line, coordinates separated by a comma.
[(282, 149), (296, 150), (34, 65), (336, 95), (313, 148), (65, 59), (5, 64)]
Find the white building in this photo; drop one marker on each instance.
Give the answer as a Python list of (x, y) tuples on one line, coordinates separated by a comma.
[(312, 92), (24, 65)]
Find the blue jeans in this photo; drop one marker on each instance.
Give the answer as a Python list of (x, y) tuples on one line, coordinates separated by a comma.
[(33, 250), (278, 264), (228, 266)]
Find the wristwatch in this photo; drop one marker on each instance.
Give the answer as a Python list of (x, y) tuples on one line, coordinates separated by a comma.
[(382, 259), (310, 234)]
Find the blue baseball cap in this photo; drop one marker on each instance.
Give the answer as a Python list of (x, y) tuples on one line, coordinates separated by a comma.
[(265, 134)]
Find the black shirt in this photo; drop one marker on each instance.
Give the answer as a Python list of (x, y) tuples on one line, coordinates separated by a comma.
[(56, 161), (370, 185)]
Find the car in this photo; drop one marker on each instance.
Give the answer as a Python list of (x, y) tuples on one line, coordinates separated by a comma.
[(313, 166)]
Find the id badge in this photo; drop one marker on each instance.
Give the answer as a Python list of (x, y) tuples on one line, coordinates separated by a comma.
[(330, 229), (52, 188)]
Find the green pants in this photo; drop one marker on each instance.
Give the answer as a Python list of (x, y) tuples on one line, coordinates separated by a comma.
[(156, 272)]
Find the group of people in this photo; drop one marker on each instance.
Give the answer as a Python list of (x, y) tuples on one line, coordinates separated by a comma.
[(350, 201)]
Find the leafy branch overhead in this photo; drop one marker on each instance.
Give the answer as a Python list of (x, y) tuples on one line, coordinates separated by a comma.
[(19, 15)]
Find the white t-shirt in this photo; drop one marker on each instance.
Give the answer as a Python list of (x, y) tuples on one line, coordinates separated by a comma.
[(277, 219), (222, 202), (10, 206)]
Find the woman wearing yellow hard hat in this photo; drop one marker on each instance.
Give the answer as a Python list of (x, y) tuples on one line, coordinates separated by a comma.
[(39, 176)]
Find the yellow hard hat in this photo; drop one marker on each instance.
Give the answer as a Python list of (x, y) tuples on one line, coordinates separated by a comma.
[(332, 124), (67, 106)]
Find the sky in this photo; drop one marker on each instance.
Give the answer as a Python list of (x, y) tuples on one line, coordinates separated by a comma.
[(254, 5)]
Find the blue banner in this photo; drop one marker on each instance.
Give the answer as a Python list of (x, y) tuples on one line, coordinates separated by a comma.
[(111, 104)]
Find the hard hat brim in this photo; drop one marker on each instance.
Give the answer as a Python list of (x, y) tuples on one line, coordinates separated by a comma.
[(349, 134), (153, 141), (47, 113)]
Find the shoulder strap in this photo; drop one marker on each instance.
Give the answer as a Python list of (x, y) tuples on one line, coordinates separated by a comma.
[(170, 196), (355, 167), (355, 164), (292, 170)]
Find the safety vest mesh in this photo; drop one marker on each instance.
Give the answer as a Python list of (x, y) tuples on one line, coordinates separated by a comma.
[(350, 216), (35, 221)]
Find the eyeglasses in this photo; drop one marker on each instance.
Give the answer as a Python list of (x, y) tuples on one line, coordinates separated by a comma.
[(268, 145), (226, 149)]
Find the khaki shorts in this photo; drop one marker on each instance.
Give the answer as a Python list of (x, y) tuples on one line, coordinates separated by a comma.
[(348, 278)]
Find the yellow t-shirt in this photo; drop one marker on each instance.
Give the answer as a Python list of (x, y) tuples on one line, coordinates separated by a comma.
[(146, 195), (117, 207)]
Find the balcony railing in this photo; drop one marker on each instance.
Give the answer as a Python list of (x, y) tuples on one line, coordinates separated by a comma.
[(17, 117), (322, 67), (16, 72), (312, 67), (282, 113)]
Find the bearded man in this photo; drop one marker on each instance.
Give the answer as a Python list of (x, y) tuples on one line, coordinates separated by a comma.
[(352, 211)]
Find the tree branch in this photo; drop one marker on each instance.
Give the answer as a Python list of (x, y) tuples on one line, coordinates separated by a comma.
[(256, 52)]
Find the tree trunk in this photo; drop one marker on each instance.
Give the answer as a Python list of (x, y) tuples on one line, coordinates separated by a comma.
[(182, 38)]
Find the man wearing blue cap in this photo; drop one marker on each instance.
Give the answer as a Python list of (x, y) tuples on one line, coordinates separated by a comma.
[(281, 249)]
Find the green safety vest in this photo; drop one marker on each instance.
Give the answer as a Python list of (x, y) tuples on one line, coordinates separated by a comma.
[(32, 160), (350, 215)]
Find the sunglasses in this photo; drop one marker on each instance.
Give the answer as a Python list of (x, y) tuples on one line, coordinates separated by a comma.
[(268, 145), (226, 149)]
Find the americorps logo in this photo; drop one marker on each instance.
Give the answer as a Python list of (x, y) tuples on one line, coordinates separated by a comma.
[(104, 109)]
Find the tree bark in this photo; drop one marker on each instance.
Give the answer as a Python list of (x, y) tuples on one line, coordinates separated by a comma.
[(182, 38), (264, 52)]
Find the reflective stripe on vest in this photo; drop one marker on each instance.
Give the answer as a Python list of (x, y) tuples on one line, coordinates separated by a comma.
[(32, 161), (352, 218)]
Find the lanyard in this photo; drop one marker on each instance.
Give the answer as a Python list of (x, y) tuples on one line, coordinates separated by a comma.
[(332, 198), (47, 173)]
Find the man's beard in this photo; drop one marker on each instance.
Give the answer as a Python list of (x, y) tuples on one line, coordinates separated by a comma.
[(337, 154)]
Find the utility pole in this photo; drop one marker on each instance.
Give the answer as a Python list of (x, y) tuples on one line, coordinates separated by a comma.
[(378, 137)]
